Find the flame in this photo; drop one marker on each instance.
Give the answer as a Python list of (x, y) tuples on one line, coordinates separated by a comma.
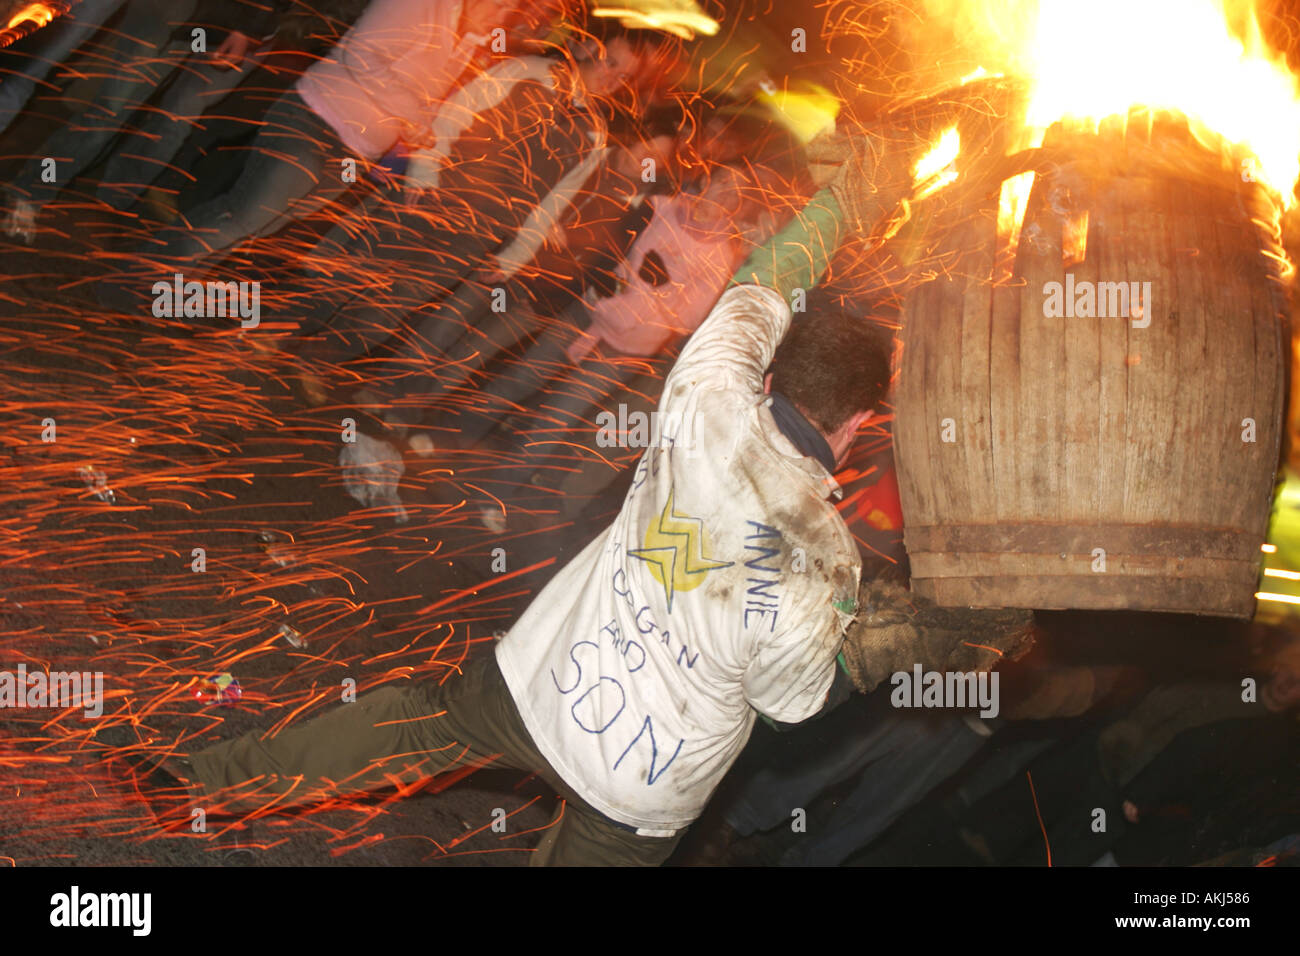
[(1011, 207), (1206, 59), (1178, 55), (38, 13), (681, 18), (934, 170), (1074, 239)]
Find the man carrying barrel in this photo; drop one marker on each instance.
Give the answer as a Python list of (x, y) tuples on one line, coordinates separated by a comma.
[(720, 591)]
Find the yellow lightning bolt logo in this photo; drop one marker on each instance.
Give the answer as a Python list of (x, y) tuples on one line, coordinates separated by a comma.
[(674, 550)]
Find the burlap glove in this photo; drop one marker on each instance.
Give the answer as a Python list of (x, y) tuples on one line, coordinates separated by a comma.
[(869, 165), (868, 171), (895, 630)]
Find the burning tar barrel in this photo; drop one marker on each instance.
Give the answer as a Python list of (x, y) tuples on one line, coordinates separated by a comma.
[(1090, 406)]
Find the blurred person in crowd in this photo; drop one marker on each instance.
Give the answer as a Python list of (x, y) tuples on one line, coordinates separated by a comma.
[(1214, 788), (673, 274), (670, 279), (568, 248), (149, 42), (298, 33), (883, 760), (384, 82), (511, 151), (675, 271)]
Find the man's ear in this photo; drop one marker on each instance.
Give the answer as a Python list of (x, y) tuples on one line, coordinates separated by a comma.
[(857, 421), (767, 384)]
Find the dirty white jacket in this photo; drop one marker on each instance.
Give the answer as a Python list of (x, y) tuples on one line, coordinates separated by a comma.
[(722, 589)]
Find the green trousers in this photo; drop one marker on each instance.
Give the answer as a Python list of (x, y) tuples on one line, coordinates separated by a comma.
[(396, 737)]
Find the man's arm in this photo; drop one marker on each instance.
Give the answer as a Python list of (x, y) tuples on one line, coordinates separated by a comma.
[(735, 344), (792, 673), (841, 690), (733, 347), (797, 257)]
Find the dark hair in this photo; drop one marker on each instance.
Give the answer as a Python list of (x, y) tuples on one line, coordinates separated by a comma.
[(658, 119), (660, 55), (665, 119), (643, 41), (832, 364)]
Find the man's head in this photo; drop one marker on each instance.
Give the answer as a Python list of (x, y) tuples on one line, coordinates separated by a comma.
[(834, 367), (615, 61), (612, 68)]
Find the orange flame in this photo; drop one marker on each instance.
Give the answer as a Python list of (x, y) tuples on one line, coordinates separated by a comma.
[(1206, 59), (1174, 56), (935, 169), (1012, 203), (38, 13)]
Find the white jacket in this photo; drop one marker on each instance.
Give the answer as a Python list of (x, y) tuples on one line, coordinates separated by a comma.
[(723, 587)]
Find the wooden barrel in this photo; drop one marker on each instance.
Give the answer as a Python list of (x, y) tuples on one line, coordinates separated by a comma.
[(1056, 455)]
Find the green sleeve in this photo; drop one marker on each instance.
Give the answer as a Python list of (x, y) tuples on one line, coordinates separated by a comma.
[(798, 255)]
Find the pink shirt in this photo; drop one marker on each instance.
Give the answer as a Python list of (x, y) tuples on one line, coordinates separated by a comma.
[(390, 73)]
